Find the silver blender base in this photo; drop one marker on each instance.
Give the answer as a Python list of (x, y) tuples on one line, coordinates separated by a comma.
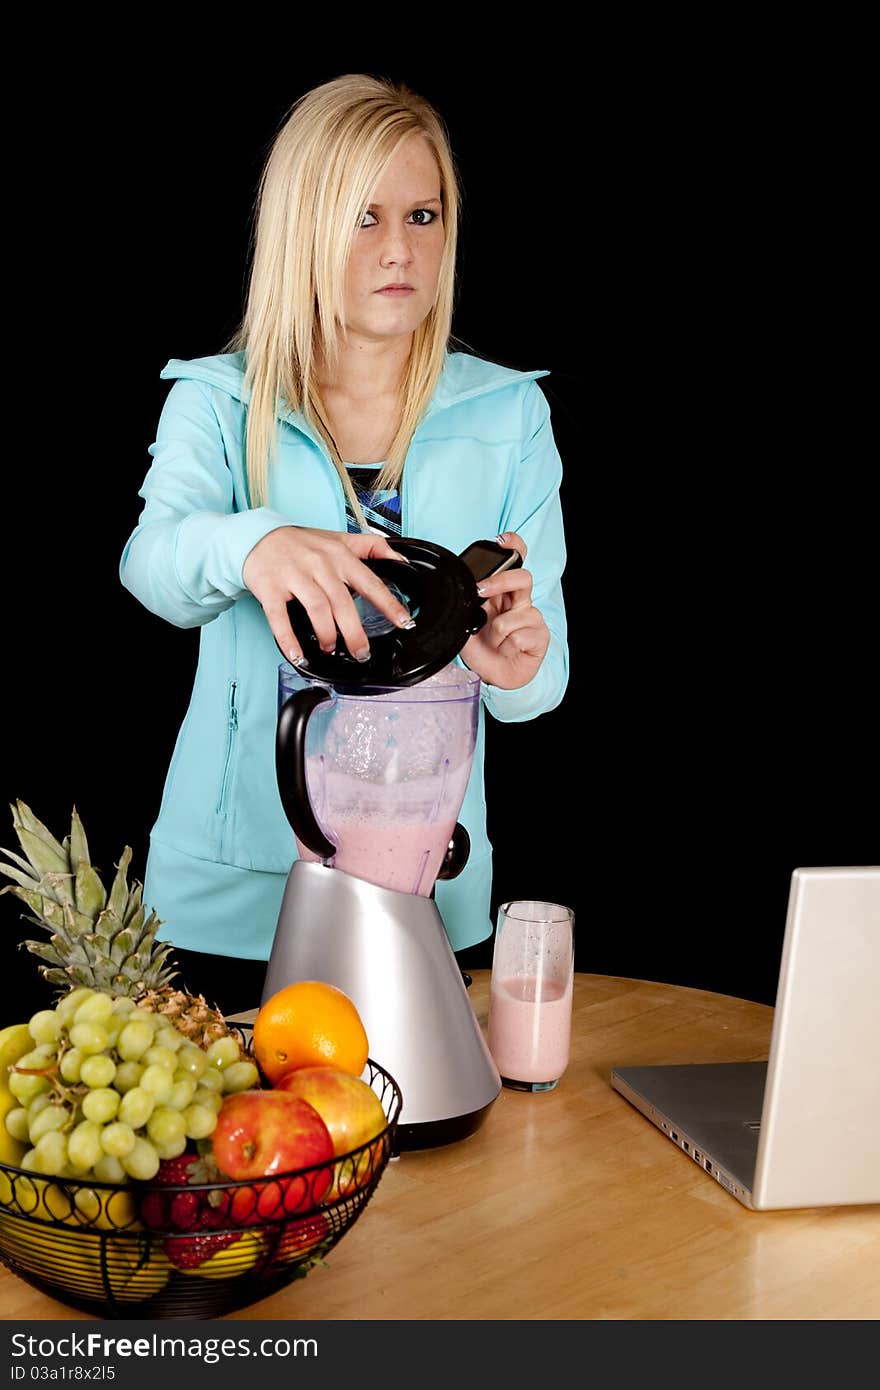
[(390, 953)]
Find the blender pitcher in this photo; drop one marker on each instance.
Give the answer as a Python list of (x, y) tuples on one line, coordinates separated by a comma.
[(372, 779)]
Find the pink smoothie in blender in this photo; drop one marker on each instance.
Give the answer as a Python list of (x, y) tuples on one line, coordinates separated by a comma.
[(387, 775)]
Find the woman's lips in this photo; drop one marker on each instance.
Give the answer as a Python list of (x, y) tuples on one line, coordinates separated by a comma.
[(397, 289)]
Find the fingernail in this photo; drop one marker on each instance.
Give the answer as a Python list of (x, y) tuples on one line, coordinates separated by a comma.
[(295, 658), (502, 538), (331, 648), (363, 654), (480, 590), (408, 623)]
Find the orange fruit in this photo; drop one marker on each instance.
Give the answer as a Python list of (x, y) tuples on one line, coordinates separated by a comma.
[(309, 1024)]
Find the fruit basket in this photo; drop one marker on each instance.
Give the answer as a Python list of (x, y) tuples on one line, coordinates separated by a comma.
[(118, 1251)]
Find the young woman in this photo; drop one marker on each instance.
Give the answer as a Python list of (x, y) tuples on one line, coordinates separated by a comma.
[(337, 416)]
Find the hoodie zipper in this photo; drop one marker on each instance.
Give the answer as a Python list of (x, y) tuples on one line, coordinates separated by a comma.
[(231, 730)]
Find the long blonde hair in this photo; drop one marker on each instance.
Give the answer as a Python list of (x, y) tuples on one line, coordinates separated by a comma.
[(323, 165)]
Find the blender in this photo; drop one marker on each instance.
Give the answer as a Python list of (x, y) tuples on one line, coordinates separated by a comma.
[(373, 761)]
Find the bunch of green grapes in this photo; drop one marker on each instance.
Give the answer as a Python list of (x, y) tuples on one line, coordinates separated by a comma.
[(110, 1090)]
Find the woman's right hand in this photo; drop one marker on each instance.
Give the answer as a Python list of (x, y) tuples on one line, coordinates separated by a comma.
[(319, 568)]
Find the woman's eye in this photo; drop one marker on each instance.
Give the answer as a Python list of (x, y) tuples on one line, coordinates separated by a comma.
[(419, 212)]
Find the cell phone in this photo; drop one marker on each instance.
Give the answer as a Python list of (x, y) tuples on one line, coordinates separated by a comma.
[(487, 558)]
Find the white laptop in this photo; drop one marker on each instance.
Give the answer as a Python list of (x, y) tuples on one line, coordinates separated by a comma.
[(803, 1128)]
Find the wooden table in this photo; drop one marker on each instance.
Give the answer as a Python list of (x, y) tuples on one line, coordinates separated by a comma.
[(571, 1205)]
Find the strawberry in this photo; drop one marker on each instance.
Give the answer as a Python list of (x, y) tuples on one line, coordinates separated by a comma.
[(186, 1212), (156, 1205), (188, 1252)]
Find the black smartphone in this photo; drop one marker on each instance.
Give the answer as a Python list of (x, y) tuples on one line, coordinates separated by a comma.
[(486, 558)]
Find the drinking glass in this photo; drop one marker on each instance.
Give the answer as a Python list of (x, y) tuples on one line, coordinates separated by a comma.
[(530, 993)]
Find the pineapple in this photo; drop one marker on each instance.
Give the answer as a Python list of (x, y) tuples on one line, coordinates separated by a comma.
[(105, 943)]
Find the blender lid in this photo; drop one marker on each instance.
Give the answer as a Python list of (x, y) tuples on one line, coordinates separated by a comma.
[(440, 590)]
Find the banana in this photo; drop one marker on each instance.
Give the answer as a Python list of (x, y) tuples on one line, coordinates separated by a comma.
[(15, 1041)]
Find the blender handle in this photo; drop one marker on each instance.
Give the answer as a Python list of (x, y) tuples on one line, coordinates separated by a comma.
[(457, 854), (290, 768)]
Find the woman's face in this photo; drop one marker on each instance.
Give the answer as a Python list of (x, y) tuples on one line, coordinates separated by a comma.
[(399, 241)]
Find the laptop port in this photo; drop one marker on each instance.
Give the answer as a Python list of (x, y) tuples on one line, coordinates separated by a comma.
[(674, 1135), (698, 1157), (708, 1166), (686, 1146)]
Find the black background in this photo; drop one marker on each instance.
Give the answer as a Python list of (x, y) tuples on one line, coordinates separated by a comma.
[(655, 230)]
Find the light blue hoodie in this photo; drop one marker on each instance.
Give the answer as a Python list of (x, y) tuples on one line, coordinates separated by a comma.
[(483, 460)]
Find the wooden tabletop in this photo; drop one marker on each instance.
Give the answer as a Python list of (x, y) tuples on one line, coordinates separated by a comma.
[(571, 1205)]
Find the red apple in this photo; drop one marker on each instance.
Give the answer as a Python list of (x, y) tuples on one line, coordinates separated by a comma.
[(268, 1134), (352, 1112)]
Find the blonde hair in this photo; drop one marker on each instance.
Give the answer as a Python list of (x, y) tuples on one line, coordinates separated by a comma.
[(323, 165)]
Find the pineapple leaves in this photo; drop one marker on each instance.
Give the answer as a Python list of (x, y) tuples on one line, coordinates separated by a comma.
[(25, 821), (105, 942), (45, 951), (78, 845), (119, 891), (45, 858), (90, 894), (17, 859)]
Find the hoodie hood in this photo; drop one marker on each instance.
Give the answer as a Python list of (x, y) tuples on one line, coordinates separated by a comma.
[(463, 377)]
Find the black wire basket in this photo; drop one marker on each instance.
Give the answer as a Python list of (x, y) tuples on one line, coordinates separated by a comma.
[(116, 1250)]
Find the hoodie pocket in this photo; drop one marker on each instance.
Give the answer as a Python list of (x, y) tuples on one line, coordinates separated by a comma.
[(231, 745)]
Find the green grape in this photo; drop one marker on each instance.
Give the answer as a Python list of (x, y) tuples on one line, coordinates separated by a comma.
[(98, 1070), (89, 1036), (84, 1145), (109, 1169), (71, 1064), (39, 1103), (23, 1188), (128, 1075), (142, 1163), (96, 1009), (182, 1091), (68, 1006), (118, 1139), (45, 1026), (101, 1105), (123, 1005), (157, 1080), (51, 1153), (17, 1124), (191, 1059), (51, 1118), (211, 1080), (199, 1121), (172, 1149), (133, 1041), (223, 1053), (137, 1107), (39, 1057), (241, 1076), (168, 1036), (114, 1027), (211, 1099), (165, 1126), (25, 1088), (160, 1057)]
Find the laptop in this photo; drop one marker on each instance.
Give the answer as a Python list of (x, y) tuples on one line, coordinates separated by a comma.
[(803, 1128)]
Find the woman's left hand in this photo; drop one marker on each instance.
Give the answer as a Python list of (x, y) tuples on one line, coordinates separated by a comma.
[(509, 649)]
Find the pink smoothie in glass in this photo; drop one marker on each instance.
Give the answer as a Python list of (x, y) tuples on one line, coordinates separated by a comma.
[(401, 857), (530, 1027)]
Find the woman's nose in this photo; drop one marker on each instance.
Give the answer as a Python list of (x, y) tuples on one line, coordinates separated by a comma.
[(397, 247)]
